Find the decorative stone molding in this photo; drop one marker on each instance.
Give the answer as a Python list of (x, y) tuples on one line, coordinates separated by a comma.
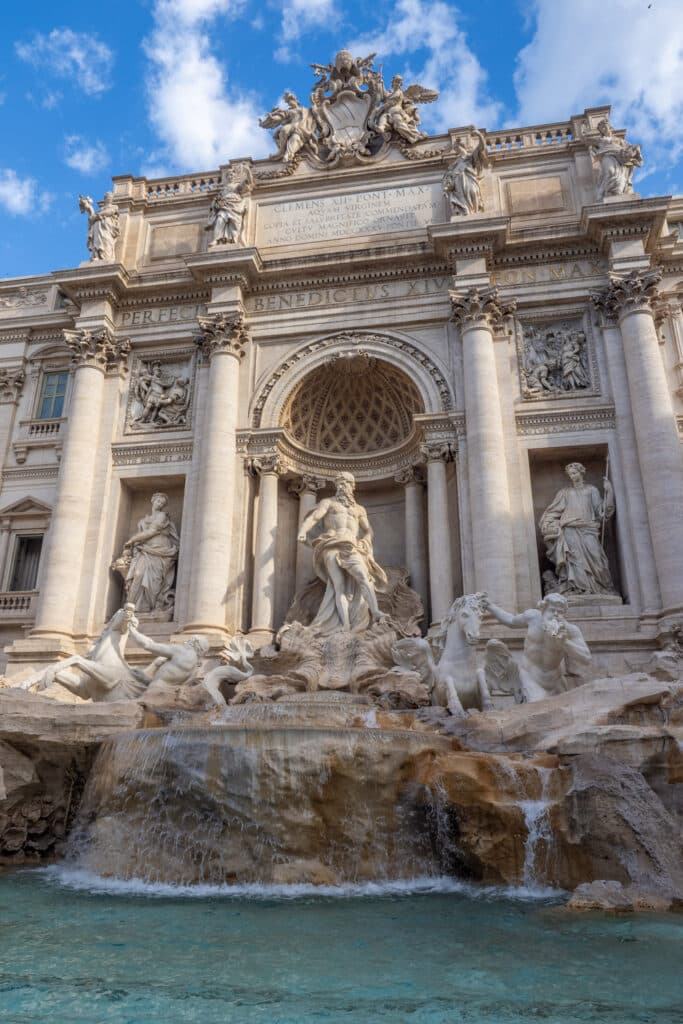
[(347, 341), (11, 383), (31, 473), (259, 465), (435, 451), (410, 475), (151, 454), (480, 307), (98, 349), (23, 298), (223, 332), (560, 421), (307, 483), (627, 293)]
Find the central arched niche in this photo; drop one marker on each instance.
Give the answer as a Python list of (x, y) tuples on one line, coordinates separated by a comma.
[(352, 405)]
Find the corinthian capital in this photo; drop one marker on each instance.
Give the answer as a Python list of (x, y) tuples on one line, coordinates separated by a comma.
[(410, 475), (628, 292), (436, 451), (11, 383), (98, 349), (223, 332), (480, 306), (269, 462)]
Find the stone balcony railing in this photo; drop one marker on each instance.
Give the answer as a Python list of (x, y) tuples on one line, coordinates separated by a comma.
[(37, 434), (18, 605)]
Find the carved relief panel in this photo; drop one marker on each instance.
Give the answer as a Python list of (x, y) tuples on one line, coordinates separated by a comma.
[(556, 358), (160, 394)]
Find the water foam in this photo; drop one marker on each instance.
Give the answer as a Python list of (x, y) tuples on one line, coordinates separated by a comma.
[(70, 877)]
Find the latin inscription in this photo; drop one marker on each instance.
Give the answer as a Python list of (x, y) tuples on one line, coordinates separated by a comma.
[(350, 214), (160, 315)]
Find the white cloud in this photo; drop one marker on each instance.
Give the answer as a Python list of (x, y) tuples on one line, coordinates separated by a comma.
[(80, 56), (200, 120), (428, 32), (623, 52), (83, 156), (18, 196), (299, 16)]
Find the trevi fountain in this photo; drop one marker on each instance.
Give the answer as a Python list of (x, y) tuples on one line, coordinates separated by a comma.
[(341, 541)]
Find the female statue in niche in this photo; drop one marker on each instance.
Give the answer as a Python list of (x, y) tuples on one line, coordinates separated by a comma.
[(148, 562), (572, 527)]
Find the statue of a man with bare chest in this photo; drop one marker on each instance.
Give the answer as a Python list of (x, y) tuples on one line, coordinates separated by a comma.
[(343, 559)]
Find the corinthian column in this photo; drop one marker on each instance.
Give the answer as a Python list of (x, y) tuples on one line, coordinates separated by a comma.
[(224, 340), (630, 298), (440, 562), (478, 312), (263, 598), (93, 353), (306, 487), (416, 550)]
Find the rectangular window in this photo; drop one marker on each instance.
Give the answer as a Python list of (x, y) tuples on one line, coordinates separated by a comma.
[(52, 396), (26, 562)]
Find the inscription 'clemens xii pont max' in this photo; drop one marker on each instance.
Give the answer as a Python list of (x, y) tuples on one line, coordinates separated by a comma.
[(354, 213)]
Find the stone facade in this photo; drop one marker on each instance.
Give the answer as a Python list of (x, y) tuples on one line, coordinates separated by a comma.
[(453, 319)]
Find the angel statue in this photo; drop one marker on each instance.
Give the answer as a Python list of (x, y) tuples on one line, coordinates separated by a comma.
[(461, 182), (398, 111), (103, 227), (346, 72), (294, 127), (617, 158), (228, 207)]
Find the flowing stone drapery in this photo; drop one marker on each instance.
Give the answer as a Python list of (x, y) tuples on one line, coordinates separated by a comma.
[(416, 549), (306, 487), (93, 353), (477, 312), (440, 561), (629, 298), (263, 597), (224, 340)]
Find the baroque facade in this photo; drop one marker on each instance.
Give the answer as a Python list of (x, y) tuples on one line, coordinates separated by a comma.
[(456, 320)]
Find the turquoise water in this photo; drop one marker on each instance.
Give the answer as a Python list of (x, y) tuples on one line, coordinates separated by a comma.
[(435, 955)]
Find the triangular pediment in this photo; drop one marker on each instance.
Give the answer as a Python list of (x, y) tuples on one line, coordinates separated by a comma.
[(26, 506)]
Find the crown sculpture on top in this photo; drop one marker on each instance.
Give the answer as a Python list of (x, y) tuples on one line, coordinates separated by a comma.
[(352, 116)]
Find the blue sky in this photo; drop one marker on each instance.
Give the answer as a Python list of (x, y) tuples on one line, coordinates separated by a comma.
[(164, 86)]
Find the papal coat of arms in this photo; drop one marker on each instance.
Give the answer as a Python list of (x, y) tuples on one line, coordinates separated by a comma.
[(352, 116)]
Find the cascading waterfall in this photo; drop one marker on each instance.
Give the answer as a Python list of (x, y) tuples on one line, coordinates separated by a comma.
[(258, 798)]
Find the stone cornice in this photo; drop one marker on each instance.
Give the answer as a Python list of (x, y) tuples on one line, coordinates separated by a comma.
[(98, 349), (107, 281), (478, 234), (480, 306), (161, 451), (223, 333), (557, 421), (625, 218), (229, 265)]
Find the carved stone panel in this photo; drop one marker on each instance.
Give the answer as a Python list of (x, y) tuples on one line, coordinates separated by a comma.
[(555, 359), (160, 395)]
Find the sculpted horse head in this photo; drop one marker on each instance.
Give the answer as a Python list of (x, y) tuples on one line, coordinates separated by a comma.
[(466, 613)]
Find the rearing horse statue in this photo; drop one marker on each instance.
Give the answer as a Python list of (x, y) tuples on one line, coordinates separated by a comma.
[(453, 679)]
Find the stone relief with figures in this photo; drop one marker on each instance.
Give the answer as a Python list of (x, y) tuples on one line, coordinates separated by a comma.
[(554, 360), (352, 115), (160, 394)]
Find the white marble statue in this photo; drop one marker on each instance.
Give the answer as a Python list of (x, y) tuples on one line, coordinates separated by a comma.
[(229, 206), (554, 649), (553, 360), (176, 665), (454, 680), (397, 111), (500, 673), (103, 227), (294, 127), (617, 159), (461, 182), (238, 650), (343, 560), (103, 673), (572, 528), (148, 561)]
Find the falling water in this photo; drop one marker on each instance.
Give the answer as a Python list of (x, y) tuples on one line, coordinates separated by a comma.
[(264, 802), (537, 821)]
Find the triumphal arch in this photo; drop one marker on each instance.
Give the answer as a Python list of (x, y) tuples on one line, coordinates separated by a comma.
[(484, 328)]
